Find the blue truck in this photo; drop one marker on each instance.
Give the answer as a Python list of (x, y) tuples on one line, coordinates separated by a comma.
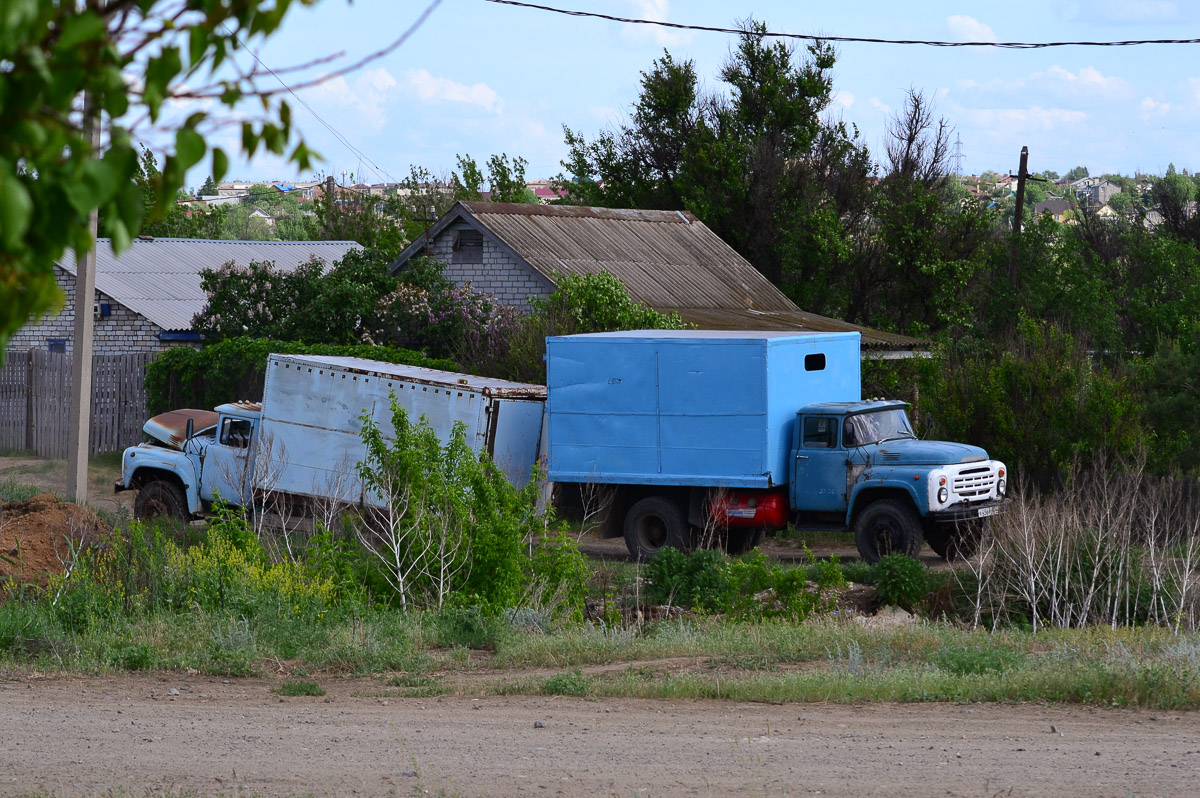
[(302, 443), (676, 435)]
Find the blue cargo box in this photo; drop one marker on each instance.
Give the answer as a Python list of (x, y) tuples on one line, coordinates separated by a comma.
[(688, 407)]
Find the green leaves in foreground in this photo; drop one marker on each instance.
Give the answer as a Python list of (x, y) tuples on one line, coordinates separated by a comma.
[(51, 55)]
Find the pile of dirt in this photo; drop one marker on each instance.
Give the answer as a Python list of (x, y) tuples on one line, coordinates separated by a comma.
[(38, 536)]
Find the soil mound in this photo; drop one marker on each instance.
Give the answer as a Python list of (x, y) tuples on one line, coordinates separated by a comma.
[(38, 535)]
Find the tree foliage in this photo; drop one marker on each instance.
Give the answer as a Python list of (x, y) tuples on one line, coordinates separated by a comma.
[(127, 59), (760, 166)]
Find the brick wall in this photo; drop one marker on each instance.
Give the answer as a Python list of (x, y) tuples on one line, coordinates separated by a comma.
[(501, 275), (123, 332)]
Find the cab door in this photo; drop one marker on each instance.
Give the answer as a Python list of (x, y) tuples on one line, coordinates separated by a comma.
[(819, 466), (226, 469)]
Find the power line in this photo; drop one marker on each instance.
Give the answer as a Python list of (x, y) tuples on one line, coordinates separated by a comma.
[(850, 39)]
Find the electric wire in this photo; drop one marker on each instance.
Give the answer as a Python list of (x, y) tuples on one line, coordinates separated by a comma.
[(379, 171), (847, 39)]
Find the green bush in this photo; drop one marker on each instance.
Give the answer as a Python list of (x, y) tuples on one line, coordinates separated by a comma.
[(299, 687), (1040, 403), (749, 586), (573, 683), (234, 369), (899, 580)]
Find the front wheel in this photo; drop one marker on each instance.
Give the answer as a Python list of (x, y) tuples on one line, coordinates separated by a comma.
[(887, 526), (651, 524), (955, 541), (161, 499)]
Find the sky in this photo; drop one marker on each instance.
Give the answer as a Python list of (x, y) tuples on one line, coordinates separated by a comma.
[(479, 78)]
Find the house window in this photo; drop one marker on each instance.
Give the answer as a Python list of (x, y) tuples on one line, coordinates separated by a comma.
[(57, 345), (468, 247)]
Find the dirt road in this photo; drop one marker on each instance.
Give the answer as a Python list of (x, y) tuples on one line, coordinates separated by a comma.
[(90, 736)]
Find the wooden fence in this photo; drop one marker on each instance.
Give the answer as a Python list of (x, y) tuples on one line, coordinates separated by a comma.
[(35, 402)]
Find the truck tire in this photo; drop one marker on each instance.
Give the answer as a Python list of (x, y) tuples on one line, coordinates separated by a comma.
[(651, 524), (161, 499), (740, 541), (954, 541), (887, 526)]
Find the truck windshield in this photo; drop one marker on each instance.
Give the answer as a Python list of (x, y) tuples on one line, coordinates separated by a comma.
[(884, 425)]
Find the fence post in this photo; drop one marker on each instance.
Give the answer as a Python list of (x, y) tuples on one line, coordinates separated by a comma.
[(29, 400)]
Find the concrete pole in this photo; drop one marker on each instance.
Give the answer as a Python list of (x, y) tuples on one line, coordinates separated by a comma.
[(79, 439)]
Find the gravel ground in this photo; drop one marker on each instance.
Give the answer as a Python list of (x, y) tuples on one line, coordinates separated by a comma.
[(91, 736)]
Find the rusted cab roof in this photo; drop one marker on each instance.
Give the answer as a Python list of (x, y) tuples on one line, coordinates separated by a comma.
[(171, 427)]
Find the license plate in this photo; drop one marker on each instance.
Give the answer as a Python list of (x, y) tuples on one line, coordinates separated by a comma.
[(984, 512), (747, 512)]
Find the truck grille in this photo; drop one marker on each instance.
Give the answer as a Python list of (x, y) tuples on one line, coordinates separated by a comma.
[(973, 482)]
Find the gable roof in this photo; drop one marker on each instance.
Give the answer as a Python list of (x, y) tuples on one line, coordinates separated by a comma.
[(160, 278), (668, 260)]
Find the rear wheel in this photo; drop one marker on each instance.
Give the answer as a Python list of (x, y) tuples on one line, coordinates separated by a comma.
[(161, 499), (887, 526), (651, 524), (740, 541)]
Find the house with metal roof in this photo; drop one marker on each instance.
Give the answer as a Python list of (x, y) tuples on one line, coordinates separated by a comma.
[(147, 297), (667, 260)]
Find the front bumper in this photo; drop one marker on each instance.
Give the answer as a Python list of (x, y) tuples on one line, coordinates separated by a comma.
[(968, 511), (119, 486)]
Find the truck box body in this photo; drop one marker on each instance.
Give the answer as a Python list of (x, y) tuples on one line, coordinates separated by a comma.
[(688, 407), (313, 406)]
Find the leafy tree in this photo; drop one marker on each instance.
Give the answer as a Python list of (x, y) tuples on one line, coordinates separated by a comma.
[(127, 59), (916, 265), (1039, 402), (759, 166), (311, 304), (1172, 389), (209, 188), (1078, 173), (505, 180)]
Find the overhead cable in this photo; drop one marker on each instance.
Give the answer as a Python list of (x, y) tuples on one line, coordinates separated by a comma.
[(848, 39)]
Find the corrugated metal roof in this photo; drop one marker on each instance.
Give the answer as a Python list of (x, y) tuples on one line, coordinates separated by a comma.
[(664, 258), (668, 260), (160, 278)]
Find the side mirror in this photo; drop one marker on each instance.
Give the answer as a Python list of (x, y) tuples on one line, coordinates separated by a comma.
[(191, 428)]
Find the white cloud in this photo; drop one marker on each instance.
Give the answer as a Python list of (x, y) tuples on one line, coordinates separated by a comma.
[(1087, 80), (880, 105), (430, 87), (1153, 110), (842, 98), (969, 29), (367, 97), (656, 10), (1032, 118)]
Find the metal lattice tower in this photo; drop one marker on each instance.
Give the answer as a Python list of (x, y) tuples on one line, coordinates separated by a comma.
[(956, 155)]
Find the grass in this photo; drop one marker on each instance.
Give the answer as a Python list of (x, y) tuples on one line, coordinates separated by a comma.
[(299, 687)]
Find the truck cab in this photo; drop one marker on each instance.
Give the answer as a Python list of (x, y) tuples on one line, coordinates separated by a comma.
[(194, 458), (859, 465)]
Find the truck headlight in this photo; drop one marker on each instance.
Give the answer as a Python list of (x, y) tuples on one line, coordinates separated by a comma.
[(1001, 487), (942, 495)]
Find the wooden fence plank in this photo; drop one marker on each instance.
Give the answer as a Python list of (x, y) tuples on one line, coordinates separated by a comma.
[(35, 400)]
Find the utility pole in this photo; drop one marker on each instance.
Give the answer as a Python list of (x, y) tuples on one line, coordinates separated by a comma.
[(80, 434), (1021, 175), (329, 203)]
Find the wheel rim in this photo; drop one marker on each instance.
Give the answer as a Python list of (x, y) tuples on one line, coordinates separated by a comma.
[(155, 507), (652, 533), (887, 535)]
